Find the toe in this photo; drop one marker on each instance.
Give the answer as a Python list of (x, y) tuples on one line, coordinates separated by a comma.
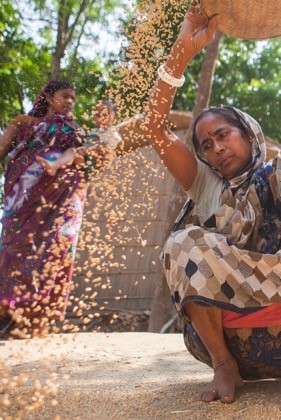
[(227, 396), (212, 395), (208, 395)]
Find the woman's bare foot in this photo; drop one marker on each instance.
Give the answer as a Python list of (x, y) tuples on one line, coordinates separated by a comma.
[(226, 380), (49, 166)]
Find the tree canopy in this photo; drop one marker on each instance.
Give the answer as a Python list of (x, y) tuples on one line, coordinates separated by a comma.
[(21, 63), (41, 40), (64, 38)]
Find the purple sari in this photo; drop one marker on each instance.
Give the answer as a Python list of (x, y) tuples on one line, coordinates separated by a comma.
[(41, 221)]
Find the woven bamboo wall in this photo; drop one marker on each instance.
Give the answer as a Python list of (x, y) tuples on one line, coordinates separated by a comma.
[(141, 194), (145, 221)]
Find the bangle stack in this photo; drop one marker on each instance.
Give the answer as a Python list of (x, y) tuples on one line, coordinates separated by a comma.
[(170, 80)]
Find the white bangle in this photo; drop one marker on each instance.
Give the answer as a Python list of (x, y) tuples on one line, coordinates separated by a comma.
[(166, 77)]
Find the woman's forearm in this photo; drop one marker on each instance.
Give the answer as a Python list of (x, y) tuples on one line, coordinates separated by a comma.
[(162, 95), (195, 33), (173, 152), (180, 56)]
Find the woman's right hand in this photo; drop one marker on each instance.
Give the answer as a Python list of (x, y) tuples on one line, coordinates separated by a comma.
[(197, 30)]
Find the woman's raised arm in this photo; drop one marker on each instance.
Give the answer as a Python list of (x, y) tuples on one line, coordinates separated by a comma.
[(196, 32)]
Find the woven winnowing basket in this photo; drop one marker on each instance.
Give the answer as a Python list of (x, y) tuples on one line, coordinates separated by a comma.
[(246, 19)]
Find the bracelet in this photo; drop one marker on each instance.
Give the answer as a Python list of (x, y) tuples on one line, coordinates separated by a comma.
[(166, 77)]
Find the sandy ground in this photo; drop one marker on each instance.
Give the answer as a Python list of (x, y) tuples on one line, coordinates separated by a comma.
[(117, 376)]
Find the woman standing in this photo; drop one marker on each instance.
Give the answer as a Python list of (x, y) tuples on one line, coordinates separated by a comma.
[(42, 214), (223, 261)]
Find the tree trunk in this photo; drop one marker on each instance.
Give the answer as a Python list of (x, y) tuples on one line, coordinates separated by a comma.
[(204, 91), (65, 32), (56, 64), (162, 310)]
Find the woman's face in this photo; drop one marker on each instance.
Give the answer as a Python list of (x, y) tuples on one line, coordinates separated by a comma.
[(223, 145), (61, 102)]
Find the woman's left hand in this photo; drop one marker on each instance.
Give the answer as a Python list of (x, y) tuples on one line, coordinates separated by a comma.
[(197, 30)]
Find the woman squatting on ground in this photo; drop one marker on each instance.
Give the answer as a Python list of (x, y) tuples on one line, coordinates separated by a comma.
[(223, 259)]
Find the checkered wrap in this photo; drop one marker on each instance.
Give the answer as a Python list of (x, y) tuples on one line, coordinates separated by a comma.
[(232, 261)]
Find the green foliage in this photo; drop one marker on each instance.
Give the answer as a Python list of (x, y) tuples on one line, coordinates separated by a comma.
[(22, 65), (150, 34), (26, 54), (247, 75), (90, 82), (26, 61)]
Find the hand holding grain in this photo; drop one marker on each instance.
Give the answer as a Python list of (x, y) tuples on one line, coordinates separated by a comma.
[(197, 30)]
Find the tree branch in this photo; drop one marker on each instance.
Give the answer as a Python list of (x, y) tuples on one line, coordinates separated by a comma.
[(70, 30), (74, 56)]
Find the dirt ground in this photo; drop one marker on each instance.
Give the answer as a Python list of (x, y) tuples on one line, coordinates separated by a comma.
[(130, 375)]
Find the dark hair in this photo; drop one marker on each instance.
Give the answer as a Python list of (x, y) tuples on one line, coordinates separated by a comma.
[(41, 105), (230, 115), (109, 104)]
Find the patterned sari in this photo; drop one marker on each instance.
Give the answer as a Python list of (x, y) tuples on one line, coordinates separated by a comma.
[(41, 221), (233, 260)]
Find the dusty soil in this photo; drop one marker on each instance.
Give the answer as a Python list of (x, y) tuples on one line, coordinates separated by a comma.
[(117, 376)]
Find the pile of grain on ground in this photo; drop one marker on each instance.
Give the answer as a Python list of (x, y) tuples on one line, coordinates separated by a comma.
[(120, 376)]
